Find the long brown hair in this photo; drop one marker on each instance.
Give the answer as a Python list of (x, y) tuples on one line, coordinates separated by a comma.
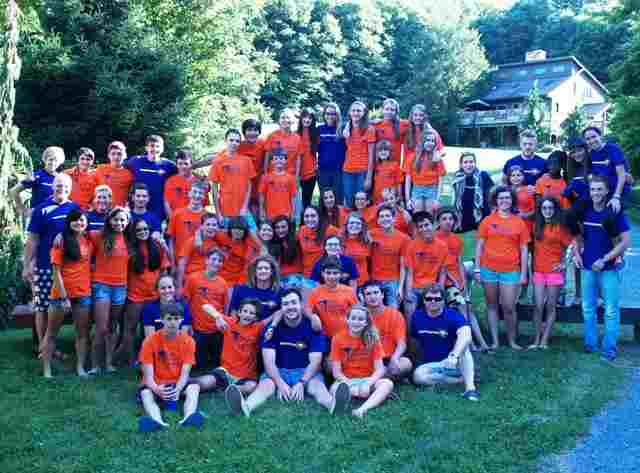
[(395, 121), (109, 234), (421, 154), (410, 138), (370, 335)]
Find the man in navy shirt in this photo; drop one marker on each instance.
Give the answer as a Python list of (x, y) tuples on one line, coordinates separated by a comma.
[(331, 151), (292, 353), (47, 220), (605, 237), (444, 337), (532, 165)]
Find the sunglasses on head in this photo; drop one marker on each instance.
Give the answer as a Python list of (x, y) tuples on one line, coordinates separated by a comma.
[(433, 299)]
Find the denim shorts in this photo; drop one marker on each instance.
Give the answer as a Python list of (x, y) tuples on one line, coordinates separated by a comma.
[(424, 192), (497, 277), (390, 291), (82, 300), (105, 292), (291, 375), (356, 381), (438, 370), (297, 281)]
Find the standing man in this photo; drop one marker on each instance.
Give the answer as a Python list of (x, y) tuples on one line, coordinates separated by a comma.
[(532, 165)]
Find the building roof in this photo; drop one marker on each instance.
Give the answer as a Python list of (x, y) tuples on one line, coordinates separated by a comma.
[(519, 88), (595, 108)]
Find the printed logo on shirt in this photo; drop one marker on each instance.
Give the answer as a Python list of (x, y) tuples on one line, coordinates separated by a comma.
[(600, 163), (300, 346), (502, 229), (439, 333), (153, 171)]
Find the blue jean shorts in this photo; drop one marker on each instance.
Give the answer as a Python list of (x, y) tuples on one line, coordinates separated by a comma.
[(440, 371), (390, 291), (424, 192), (291, 375), (82, 300), (497, 277), (297, 281), (105, 292), (356, 381)]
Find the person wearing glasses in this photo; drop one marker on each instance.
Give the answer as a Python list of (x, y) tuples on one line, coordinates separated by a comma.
[(444, 336)]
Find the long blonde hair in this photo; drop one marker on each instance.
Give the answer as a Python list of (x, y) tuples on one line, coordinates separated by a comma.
[(410, 139), (363, 124), (336, 107), (370, 335)]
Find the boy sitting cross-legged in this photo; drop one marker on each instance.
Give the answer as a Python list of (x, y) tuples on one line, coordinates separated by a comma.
[(166, 359)]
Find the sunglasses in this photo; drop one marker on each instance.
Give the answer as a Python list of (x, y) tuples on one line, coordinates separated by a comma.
[(433, 299)]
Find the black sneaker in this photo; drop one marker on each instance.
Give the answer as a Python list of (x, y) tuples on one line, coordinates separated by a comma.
[(235, 401), (222, 378), (341, 399)]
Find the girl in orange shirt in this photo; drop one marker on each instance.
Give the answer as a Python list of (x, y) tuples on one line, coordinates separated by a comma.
[(356, 359), (330, 210), (285, 138), (526, 203), (359, 163), (362, 206), (311, 237), (240, 247), (71, 289), (309, 139), (84, 179), (423, 176), (550, 243), (287, 253), (388, 174), (357, 245), (392, 129), (109, 284), (148, 261)]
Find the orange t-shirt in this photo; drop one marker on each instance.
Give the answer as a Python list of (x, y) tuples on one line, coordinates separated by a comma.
[(256, 152), (427, 259), (361, 254), (200, 290), (370, 216), (240, 348), (357, 159), (294, 267), (233, 176), (197, 257), (167, 356), (332, 305), (399, 221), (547, 186), (118, 179), (290, 142), (392, 329), (356, 360), (309, 159), (82, 187), (76, 275), (110, 269), (312, 251), (386, 251), (183, 225), (142, 286), (527, 204), (409, 153), (385, 131), (278, 191), (503, 237), (388, 174), (455, 247), (176, 191), (549, 251), (238, 256), (429, 175)]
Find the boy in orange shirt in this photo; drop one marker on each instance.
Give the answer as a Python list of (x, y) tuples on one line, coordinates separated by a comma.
[(426, 260), (115, 175), (166, 358), (184, 222), (277, 191), (231, 175), (331, 300), (177, 187), (84, 179)]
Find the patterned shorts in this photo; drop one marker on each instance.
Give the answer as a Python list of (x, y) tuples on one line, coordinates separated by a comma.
[(43, 280)]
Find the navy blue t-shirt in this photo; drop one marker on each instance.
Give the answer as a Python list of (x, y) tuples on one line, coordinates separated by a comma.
[(154, 175), (331, 149), (293, 344), (597, 242), (96, 220), (47, 220), (155, 225), (436, 335), (151, 315), (577, 189), (533, 168), (604, 162), (348, 266), (270, 299), (41, 187)]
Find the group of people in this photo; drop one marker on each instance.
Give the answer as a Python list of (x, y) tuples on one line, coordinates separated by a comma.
[(239, 276)]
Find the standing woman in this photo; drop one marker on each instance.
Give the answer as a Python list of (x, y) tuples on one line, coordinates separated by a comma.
[(361, 140), (357, 245), (419, 121), (71, 290), (285, 138), (109, 285), (423, 176), (331, 150), (471, 188), (392, 128), (525, 200), (147, 261), (550, 243), (309, 142), (501, 262)]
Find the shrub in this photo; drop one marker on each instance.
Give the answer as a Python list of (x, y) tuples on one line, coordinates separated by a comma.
[(13, 289)]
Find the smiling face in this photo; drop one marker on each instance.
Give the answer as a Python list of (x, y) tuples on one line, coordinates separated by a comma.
[(214, 263), (306, 120), (210, 227), (598, 192), (434, 303), (468, 164), (117, 156), (384, 153), (311, 218), (79, 225), (197, 196), (528, 145), (357, 320), (429, 143), (332, 246), (389, 197), (329, 198), (360, 200), (247, 314), (238, 233), (356, 112), (85, 161), (331, 116), (119, 221), (547, 209), (142, 230), (291, 308), (281, 229), (385, 219), (373, 296), (286, 120), (102, 201), (233, 142), (389, 110), (516, 178), (354, 225), (264, 272), (167, 290), (593, 139), (61, 187), (154, 149), (251, 135), (418, 117), (265, 232), (140, 199), (504, 201), (331, 276)]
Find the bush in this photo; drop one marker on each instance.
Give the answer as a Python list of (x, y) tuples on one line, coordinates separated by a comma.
[(13, 290)]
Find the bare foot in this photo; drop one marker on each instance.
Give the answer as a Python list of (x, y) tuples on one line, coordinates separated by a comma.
[(82, 373), (533, 346), (358, 413), (515, 346)]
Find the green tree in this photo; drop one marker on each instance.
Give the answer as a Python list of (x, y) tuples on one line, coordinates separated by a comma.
[(537, 116), (573, 125)]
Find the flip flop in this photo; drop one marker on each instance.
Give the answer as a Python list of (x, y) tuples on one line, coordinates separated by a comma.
[(194, 420), (146, 424), (342, 399)]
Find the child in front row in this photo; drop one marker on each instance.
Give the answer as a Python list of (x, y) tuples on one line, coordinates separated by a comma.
[(356, 358), (166, 359)]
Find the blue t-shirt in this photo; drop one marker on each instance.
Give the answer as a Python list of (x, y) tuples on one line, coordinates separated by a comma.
[(436, 335), (331, 149), (269, 298), (96, 220), (151, 315), (47, 220), (348, 266), (604, 162), (533, 168), (41, 186), (597, 242), (154, 175), (155, 225), (577, 189), (293, 344)]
